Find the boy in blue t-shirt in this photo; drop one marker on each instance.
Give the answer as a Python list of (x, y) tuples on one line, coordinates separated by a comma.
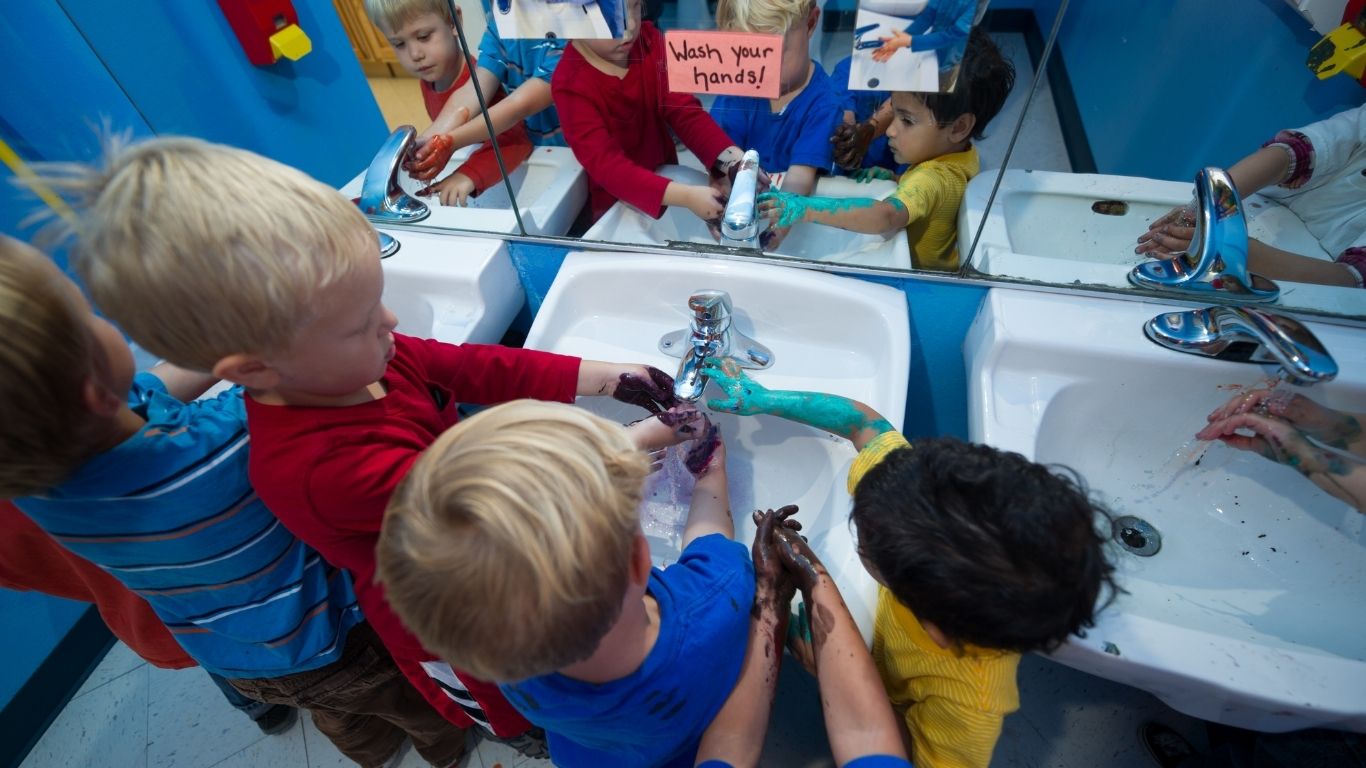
[(792, 132), (514, 550)]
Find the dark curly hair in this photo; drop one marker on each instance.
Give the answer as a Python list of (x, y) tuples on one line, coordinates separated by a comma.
[(985, 78), (993, 549)]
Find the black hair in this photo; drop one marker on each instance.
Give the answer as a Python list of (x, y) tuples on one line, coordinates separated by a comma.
[(985, 78), (993, 549)]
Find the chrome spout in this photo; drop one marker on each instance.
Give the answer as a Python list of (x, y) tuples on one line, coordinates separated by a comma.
[(1247, 335), (382, 200), (740, 222), (1217, 261), (709, 336)]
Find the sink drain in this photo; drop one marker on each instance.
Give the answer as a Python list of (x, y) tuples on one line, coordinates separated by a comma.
[(1136, 535)]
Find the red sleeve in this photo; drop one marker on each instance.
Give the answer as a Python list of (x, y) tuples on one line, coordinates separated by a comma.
[(685, 115), (586, 133), (482, 166), (483, 374)]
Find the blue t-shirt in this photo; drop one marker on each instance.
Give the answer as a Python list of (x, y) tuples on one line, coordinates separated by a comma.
[(169, 512), (863, 104), (799, 135), (517, 61), (656, 715), (867, 761)]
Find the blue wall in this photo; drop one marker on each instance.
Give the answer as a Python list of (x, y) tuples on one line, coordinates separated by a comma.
[(1165, 88)]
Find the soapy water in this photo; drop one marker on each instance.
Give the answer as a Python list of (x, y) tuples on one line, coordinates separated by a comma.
[(667, 496)]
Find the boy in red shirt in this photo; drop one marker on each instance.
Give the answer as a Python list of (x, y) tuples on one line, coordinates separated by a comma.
[(616, 110), (423, 36)]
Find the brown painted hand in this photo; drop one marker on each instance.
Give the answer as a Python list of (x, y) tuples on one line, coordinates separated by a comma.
[(650, 388), (851, 142), (798, 558), (769, 574)]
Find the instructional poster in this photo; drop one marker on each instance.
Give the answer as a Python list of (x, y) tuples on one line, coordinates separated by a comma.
[(559, 19), (911, 45)]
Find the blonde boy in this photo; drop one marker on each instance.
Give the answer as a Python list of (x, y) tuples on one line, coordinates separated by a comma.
[(514, 548), (201, 253)]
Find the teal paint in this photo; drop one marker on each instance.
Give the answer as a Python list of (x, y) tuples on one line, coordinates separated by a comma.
[(794, 208), (832, 413)]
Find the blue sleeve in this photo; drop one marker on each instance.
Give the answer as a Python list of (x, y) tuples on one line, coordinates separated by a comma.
[(878, 761), (923, 21), (492, 54), (546, 55), (715, 559), (145, 385), (955, 29)]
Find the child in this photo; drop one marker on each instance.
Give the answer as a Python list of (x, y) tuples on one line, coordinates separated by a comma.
[(423, 36), (122, 470), (792, 132), (515, 548), (855, 144), (617, 110), (289, 306), (982, 556), (931, 132)]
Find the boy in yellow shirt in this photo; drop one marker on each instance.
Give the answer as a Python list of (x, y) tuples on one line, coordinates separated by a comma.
[(981, 556), (933, 133)]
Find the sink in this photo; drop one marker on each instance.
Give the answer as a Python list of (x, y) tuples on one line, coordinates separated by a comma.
[(1078, 228), (615, 307), (1250, 613), (451, 288), (812, 242), (551, 189)]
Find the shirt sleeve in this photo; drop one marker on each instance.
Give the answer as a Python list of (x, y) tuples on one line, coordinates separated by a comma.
[(719, 563), (483, 374), (974, 734), (482, 165), (145, 385), (919, 191), (1332, 143), (698, 130), (872, 454), (955, 27), (493, 54)]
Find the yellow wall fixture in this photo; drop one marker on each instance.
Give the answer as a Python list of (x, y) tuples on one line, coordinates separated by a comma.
[(267, 29), (20, 169), (291, 43), (1342, 50)]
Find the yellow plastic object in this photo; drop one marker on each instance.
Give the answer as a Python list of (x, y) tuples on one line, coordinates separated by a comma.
[(17, 165), (291, 43), (1342, 50)]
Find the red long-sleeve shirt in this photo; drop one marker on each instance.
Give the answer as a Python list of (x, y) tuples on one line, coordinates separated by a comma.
[(618, 124), (482, 166)]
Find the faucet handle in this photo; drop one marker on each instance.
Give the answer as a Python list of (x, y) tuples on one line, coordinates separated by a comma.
[(710, 306)]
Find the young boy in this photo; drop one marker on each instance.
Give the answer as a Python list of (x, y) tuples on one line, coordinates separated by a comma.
[(792, 132), (982, 556), (338, 405), (514, 548), (123, 470), (617, 111), (932, 132), (423, 36)]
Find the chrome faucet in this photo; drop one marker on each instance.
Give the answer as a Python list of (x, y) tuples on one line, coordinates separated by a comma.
[(740, 222), (1217, 261), (382, 200), (1246, 335), (709, 336)]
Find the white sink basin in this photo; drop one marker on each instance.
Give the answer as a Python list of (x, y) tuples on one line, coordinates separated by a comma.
[(1043, 227), (550, 186), (1251, 613), (827, 333), (449, 288), (813, 242)]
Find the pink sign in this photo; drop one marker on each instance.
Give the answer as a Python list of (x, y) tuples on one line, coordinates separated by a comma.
[(734, 63)]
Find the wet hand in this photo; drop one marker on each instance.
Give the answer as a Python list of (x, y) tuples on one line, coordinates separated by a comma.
[(890, 45), (430, 157), (781, 208), (647, 387), (1170, 234), (744, 396), (769, 574), (1337, 472), (707, 456), (676, 425), (798, 558), (456, 190), (1329, 426), (851, 142), (705, 203)]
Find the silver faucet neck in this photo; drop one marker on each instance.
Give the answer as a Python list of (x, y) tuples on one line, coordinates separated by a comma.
[(740, 222), (709, 336), (1246, 334), (382, 200)]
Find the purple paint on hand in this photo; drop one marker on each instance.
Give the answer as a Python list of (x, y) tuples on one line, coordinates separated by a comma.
[(699, 456), (655, 395)]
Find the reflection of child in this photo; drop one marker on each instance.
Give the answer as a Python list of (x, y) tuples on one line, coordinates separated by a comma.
[(951, 21), (515, 549), (859, 106), (617, 112), (931, 132), (1319, 173), (982, 556), (423, 36)]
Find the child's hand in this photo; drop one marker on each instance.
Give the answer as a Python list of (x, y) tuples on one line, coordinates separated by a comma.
[(456, 189), (666, 428), (703, 201), (851, 142), (429, 157), (1170, 234), (866, 175), (647, 387), (1335, 428), (771, 579), (890, 45), (1336, 471), (798, 558), (707, 457), (744, 396), (773, 237), (783, 209)]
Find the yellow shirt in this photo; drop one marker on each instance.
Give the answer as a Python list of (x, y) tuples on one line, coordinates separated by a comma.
[(932, 193), (953, 701)]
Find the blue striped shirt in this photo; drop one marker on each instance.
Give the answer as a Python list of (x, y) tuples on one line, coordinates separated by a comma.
[(169, 513)]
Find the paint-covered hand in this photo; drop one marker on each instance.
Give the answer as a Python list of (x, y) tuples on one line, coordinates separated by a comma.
[(876, 173), (456, 189), (647, 387), (772, 582), (1335, 470), (705, 203), (1332, 427), (798, 558), (1170, 234), (744, 396), (890, 45), (851, 142), (429, 157), (676, 425), (783, 209), (707, 456)]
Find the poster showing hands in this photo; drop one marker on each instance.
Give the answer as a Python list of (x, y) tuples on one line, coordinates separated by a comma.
[(559, 19), (911, 45)]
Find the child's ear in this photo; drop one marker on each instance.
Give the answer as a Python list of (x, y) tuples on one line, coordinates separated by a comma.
[(961, 127), (99, 399), (811, 19), (640, 560), (248, 370)]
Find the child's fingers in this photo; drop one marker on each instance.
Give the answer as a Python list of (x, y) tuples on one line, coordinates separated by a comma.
[(656, 460)]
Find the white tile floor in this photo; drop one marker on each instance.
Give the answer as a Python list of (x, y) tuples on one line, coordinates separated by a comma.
[(129, 714)]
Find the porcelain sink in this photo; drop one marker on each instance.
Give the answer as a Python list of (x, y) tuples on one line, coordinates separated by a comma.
[(1250, 613), (550, 186), (1076, 228), (450, 288), (813, 242), (615, 307)]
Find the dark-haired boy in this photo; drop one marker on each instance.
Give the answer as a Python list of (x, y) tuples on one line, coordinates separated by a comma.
[(982, 555), (933, 133)]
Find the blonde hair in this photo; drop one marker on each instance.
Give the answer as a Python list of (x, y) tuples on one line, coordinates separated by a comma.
[(389, 15), (46, 355), (199, 251), (766, 16), (507, 547)]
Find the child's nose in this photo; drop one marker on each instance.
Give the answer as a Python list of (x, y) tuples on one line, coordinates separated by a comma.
[(390, 320)]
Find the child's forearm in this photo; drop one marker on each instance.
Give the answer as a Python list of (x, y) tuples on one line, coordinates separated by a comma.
[(599, 378), (736, 734), (865, 215), (462, 105), (1259, 170), (837, 415), (528, 99), (182, 384), (710, 509), (1276, 264)]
